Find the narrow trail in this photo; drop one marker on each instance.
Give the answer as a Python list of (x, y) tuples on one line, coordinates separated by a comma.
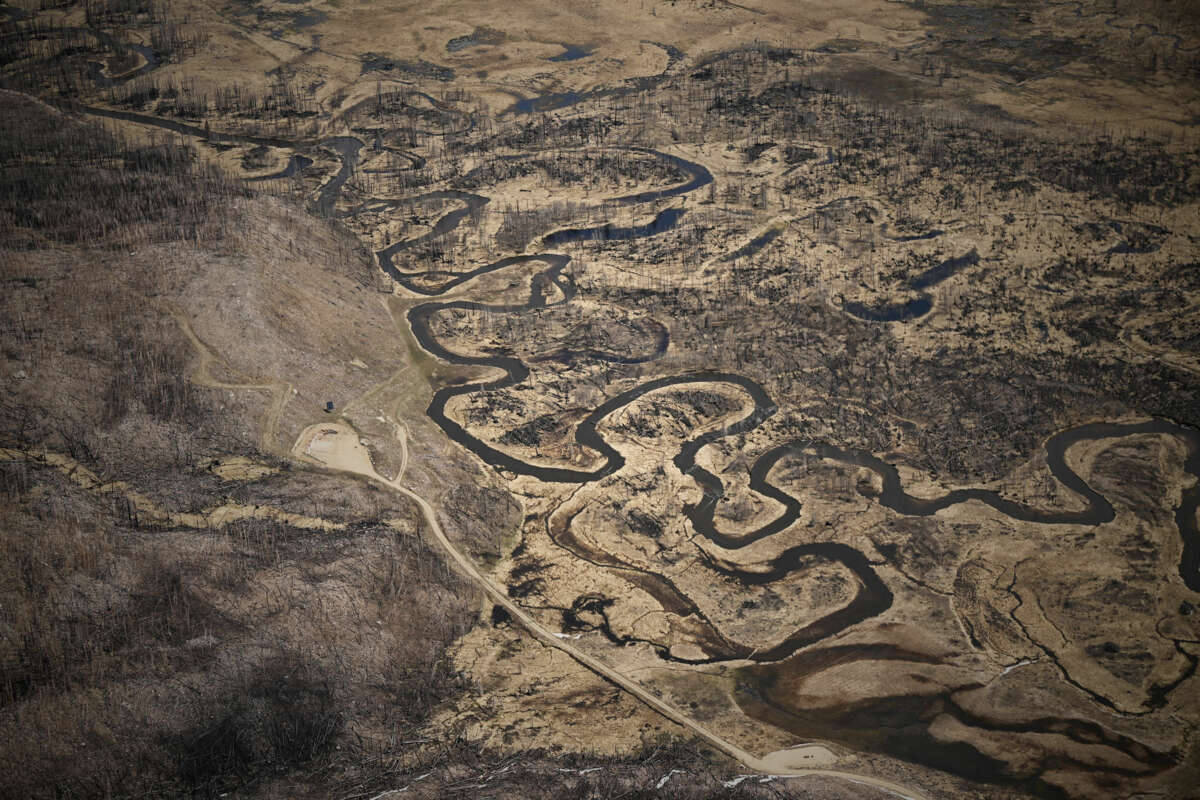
[(280, 391), (402, 435)]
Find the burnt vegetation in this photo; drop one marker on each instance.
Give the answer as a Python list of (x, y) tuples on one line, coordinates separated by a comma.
[(240, 654), (181, 660)]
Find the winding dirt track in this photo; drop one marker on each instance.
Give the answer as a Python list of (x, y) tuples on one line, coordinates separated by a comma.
[(281, 391)]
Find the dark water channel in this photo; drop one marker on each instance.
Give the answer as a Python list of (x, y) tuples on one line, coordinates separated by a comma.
[(897, 725), (571, 52), (920, 305)]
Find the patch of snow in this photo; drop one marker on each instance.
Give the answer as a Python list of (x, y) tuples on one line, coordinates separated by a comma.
[(667, 777), (1020, 663)]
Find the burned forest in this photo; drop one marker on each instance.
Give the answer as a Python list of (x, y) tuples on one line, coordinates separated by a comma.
[(646, 398)]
